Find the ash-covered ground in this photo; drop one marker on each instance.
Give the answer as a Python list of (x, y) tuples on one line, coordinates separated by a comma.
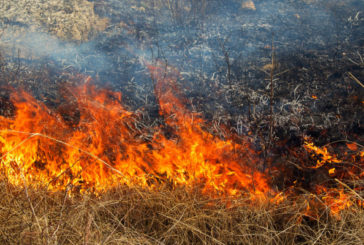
[(228, 53)]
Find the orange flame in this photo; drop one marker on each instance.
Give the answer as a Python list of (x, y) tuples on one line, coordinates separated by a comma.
[(38, 147), (323, 155), (104, 148), (337, 199)]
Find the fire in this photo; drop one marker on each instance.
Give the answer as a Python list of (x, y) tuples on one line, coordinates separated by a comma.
[(104, 150), (323, 155), (337, 198)]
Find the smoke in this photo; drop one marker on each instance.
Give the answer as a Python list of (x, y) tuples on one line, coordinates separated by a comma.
[(200, 39), (38, 46)]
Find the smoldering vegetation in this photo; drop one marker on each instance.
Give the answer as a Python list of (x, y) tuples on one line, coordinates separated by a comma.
[(222, 50)]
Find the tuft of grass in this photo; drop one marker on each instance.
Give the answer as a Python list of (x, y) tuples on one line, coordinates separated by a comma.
[(131, 215)]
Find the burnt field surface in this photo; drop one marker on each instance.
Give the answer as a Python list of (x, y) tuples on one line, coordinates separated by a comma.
[(226, 122), (223, 51)]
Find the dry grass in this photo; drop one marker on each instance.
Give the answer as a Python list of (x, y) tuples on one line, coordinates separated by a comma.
[(137, 216), (68, 20)]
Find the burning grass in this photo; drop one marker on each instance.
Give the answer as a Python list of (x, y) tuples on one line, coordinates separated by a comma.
[(98, 179), (214, 158), (104, 149)]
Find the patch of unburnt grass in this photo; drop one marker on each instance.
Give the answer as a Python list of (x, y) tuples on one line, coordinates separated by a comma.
[(131, 215)]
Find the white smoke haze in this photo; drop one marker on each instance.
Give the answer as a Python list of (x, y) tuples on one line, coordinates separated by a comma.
[(200, 38)]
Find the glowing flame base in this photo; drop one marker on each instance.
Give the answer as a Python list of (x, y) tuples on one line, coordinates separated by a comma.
[(104, 149)]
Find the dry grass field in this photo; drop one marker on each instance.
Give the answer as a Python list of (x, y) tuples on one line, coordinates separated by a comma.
[(136, 216)]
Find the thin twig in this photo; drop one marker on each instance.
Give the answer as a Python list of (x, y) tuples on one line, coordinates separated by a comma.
[(355, 79), (30, 202), (61, 213), (87, 229), (192, 228), (350, 189)]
